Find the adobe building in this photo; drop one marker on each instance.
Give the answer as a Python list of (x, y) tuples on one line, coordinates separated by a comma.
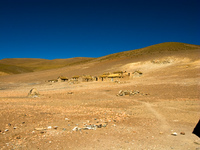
[(115, 76), (76, 78), (87, 78), (103, 77)]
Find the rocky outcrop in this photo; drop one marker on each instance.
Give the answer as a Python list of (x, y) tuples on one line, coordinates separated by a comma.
[(33, 93)]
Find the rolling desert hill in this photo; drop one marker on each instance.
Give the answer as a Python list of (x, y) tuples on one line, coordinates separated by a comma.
[(168, 58), (23, 65), (163, 48), (6, 69)]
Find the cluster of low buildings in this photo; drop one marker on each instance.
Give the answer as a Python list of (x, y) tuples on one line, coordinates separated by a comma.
[(114, 76)]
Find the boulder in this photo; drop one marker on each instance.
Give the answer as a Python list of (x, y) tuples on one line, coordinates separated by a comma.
[(126, 92), (33, 93), (121, 93)]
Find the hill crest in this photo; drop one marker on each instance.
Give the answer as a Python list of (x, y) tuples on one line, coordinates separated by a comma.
[(24, 65), (149, 50)]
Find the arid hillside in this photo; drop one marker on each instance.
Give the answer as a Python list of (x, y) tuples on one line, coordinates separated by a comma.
[(23, 65), (168, 58)]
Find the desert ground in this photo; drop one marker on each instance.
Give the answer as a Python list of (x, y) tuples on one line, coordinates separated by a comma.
[(90, 115)]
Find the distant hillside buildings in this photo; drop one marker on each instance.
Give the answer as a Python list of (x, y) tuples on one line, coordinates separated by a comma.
[(114, 76)]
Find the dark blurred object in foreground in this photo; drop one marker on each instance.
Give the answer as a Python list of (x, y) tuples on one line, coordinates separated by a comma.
[(196, 130)]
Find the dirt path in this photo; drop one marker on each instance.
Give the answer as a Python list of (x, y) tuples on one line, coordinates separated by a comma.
[(164, 126)]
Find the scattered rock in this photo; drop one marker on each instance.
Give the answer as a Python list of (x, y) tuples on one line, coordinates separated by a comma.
[(104, 125), (76, 129), (121, 93), (55, 127), (42, 132), (49, 127), (40, 129), (18, 137), (174, 134), (70, 92), (14, 127), (130, 93), (90, 127), (85, 128), (99, 126), (197, 142), (6, 130), (137, 73), (126, 92), (182, 133), (33, 93)]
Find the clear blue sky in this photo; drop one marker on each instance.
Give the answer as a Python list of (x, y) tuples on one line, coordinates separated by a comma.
[(53, 29)]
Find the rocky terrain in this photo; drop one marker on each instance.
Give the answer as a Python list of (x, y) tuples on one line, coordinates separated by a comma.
[(157, 110)]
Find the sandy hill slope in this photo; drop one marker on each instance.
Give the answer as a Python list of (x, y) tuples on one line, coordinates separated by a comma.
[(6, 69), (163, 48), (23, 65), (169, 58)]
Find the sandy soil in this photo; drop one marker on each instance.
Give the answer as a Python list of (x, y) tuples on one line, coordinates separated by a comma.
[(142, 121)]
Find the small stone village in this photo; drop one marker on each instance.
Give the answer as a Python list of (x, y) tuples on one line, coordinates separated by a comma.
[(116, 76)]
